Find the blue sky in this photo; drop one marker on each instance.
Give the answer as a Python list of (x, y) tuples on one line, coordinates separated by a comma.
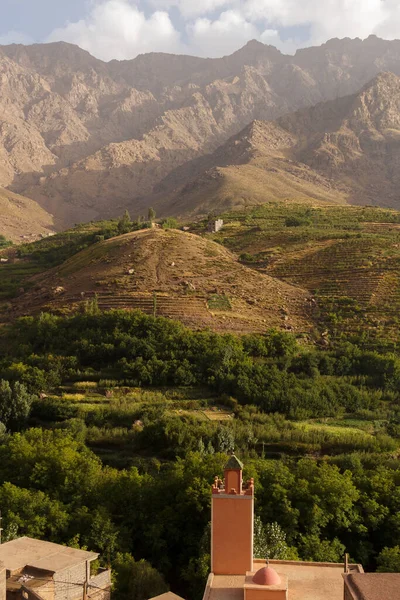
[(124, 28)]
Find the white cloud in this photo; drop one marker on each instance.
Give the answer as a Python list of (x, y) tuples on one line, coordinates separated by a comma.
[(221, 36), (117, 29), (194, 8), (327, 18), (390, 26), (15, 37)]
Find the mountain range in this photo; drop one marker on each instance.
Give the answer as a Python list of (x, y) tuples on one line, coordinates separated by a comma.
[(84, 139)]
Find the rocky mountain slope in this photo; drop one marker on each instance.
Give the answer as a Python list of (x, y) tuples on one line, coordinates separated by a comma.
[(343, 150), (355, 140), (255, 166), (86, 138)]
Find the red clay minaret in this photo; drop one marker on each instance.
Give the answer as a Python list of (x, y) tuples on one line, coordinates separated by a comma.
[(232, 518)]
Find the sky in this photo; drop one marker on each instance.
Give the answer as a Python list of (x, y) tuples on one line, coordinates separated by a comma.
[(122, 29)]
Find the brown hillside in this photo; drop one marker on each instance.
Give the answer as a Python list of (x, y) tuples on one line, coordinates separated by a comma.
[(355, 140), (86, 138), (344, 150), (195, 280), (253, 167), (19, 214)]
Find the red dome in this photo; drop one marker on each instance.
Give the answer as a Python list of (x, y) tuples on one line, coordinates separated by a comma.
[(266, 576)]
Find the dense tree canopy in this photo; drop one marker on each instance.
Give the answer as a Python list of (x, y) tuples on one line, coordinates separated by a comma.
[(145, 504)]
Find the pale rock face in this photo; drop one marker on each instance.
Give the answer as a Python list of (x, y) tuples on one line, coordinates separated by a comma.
[(85, 139)]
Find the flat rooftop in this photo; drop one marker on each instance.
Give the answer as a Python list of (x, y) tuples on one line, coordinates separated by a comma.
[(374, 586), (28, 552), (307, 581)]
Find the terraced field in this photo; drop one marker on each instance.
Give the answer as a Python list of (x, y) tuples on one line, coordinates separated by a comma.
[(347, 257), (168, 273), (333, 270)]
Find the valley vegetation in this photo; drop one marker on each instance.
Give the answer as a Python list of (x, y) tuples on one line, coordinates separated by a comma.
[(139, 412), (114, 423)]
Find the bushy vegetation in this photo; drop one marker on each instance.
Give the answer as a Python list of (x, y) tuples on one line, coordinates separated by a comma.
[(348, 257), (4, 242), (113, 425), (133, 416)]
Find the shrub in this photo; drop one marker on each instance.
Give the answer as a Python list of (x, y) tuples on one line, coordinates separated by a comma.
[(297, 221), (85, 385), (169, 223)]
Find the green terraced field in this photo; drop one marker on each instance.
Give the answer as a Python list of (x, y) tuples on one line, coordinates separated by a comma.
[(347, 257)]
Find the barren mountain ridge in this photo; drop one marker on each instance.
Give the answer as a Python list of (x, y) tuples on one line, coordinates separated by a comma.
[(86, 139)]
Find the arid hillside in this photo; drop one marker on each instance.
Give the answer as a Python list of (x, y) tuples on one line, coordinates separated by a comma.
[(324, 271), (20, 214), (258, 165), (355, 141), (341, 151), (170, 273), (85, 139)]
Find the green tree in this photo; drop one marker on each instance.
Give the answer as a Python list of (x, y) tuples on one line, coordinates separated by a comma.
[(199, 567), (311, 547), (103, 535), (169, 223), (32, 513), (91, 306), (15, 404), (136, 580), (125, 223), (151, 214), (269, 540), (53, 462), (388, 560), (226, 439)]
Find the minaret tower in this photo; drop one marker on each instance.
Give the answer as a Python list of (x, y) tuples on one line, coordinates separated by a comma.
[(232, 522)]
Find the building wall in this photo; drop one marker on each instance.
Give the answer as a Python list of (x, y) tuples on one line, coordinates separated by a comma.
[(101, 580), (215, 226), (232, 534), (233, 480), (347, 594), (67, 588), (2, 582), (267, 594), (45, 592), (66, 581)]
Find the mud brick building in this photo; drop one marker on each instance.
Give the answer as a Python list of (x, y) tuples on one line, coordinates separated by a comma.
[(38, 570)]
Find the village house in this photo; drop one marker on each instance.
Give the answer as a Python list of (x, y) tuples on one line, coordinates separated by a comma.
[(38, 570), (215, 225), (237, 575)]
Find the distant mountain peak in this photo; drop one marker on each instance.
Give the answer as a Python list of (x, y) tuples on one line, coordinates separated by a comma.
[(87, 139), (254, 44), (255, 49)]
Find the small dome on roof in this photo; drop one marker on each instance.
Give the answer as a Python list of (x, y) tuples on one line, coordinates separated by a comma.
[(266, 576)]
